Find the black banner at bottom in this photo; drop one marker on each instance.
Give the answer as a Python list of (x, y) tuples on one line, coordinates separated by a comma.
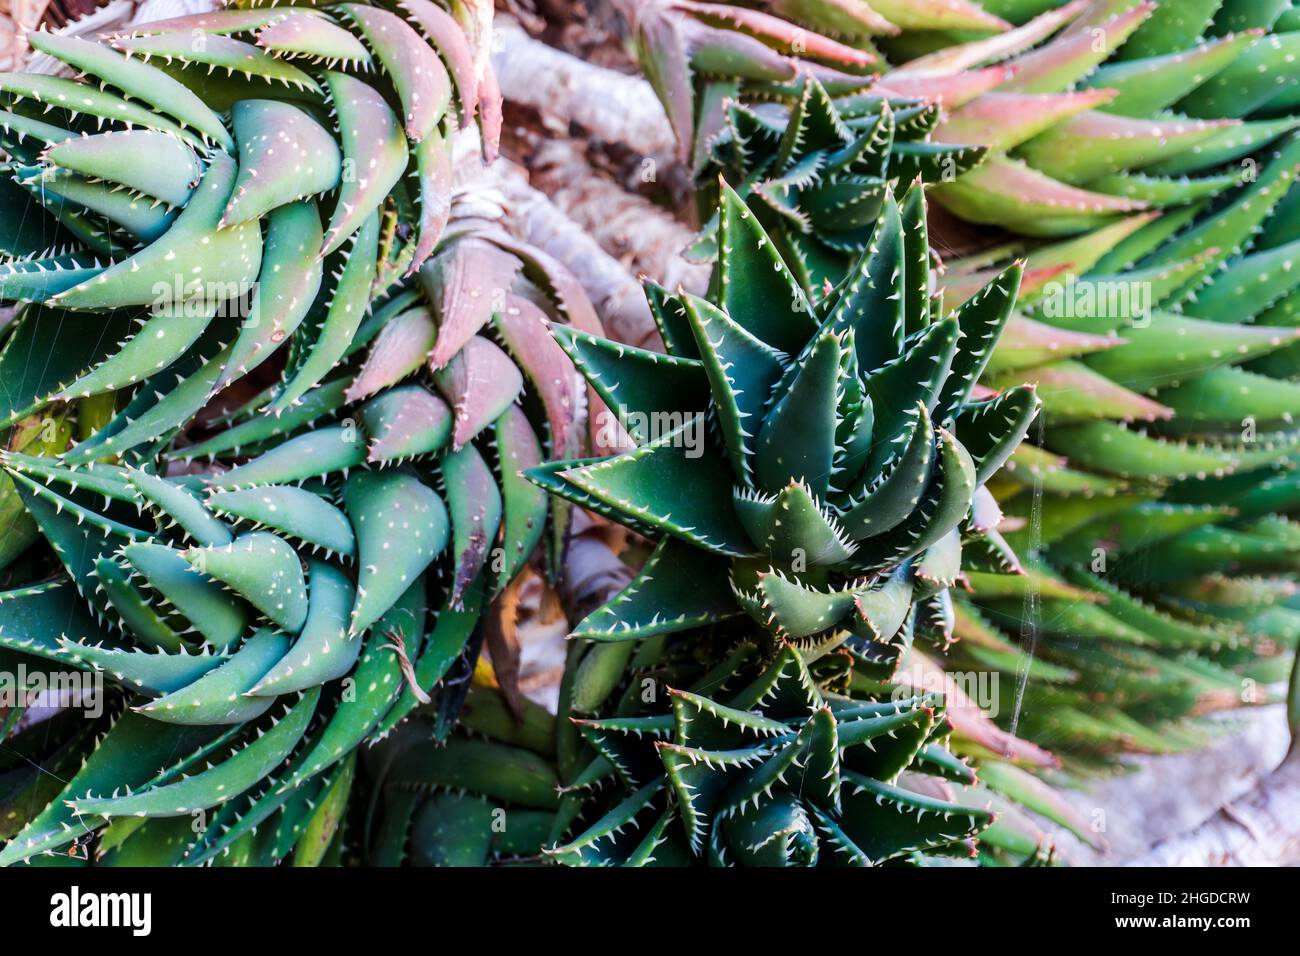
[(544, 906)]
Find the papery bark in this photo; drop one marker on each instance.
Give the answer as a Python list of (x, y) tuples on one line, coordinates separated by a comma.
[(615, 294), (608, 105), (1260, 829)]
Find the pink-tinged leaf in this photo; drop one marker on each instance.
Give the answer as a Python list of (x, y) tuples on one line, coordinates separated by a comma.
[(841, 17), (220, 22), (1034, 280), (565, 292), (947, 89), (958, 288), (667, 65), (475, 18), (1071, 391), (964, 56), (309, 34), (400, 348), (1031, 792), (1102, 13), (989, 256), (561, 285), (374, 154), (523, 327), (1001, 121), (1026, 342), (728, 53), (835, 81), (787, 37), (404, 422), (466, 283), (217, 52), (967, 718), (481, 382), (1006, 192), (475, 505), (1069, 58), (433, 166), (284, 155), (449, 40), (939, 15), (1081, 254), (1093, 144), (490, 116), (985, 512), (416, 73)]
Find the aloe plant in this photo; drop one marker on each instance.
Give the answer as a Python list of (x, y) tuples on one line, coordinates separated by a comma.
[(1096, 117), (197, 604), (782, 775), (1114, 107), (275, 556), (700, 55), (696, 55), (803, 541), (1168, 393), (817, 171), (1090, 109), (132, 196), (1160, 489), (270, 555)]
